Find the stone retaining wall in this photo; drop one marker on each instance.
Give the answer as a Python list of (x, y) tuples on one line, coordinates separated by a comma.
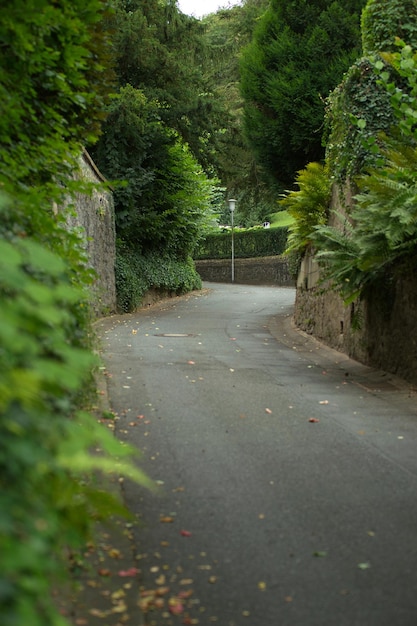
[(380, 330), (94, 216), (259, 271)]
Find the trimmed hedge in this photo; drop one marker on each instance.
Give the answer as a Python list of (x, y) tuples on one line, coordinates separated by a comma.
[(247, 244)]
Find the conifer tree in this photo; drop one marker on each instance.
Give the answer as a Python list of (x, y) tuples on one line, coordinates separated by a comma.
[(298, 54)]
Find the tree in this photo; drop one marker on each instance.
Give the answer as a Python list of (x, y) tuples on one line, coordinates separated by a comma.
[(227, 32), (299, 52), (161, 51), (165, 201)]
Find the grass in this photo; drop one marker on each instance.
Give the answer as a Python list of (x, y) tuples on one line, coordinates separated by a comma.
[(280, 219)]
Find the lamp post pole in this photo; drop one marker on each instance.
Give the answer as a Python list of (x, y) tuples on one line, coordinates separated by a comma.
[(232, 206)]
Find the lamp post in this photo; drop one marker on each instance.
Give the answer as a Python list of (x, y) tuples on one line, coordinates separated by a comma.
[(232, 206)]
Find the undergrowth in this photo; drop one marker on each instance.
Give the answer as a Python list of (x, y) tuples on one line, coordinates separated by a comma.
[(136, 274)]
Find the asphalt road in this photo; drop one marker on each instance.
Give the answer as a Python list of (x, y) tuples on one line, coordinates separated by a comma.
[(287, 474)]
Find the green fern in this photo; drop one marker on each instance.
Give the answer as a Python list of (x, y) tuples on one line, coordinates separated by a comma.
[(308, 205)]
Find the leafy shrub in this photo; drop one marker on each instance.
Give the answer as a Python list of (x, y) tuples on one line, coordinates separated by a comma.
[(383, 224), (255, 242), (308, 205), (136, 274), (50, 76), (46, 507), (360, 107)]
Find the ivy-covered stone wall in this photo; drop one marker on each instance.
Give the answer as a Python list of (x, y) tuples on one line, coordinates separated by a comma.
[(94, 216)]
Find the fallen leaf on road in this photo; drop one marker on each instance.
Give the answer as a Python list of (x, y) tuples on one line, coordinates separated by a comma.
[(162, 591), (132, 571), (98, 613), (175, 606), (120, 608), (320, 554), (145, 603), (114, 554), (159, 603), (364, 566), (117, 595), (313, 420), (166, 519), (212, 580), (104, 572)]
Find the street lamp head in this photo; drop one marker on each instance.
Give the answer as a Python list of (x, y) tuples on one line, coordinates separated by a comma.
[(232, 204)]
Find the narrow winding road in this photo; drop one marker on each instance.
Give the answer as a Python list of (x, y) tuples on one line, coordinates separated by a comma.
[(286, 473)]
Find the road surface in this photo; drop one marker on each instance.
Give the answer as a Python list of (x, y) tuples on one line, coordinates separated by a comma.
[(286, 473)]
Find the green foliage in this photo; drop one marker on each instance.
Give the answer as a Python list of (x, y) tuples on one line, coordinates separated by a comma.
[(383, 21), (227, 32), (281, 218), (298, 53), (359, 108), (383, 225), (50, 69), (46, 507), (137, 274), (44, 91), (308, 205), (162, 52), (254, 242), (166, 201)]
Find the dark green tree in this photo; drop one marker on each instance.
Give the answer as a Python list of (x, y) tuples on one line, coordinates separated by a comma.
[(165, 201), (298, 54), (227, 32), (161, 51)]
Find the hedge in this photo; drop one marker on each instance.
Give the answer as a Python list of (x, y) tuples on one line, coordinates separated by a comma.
[(247, 244)]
